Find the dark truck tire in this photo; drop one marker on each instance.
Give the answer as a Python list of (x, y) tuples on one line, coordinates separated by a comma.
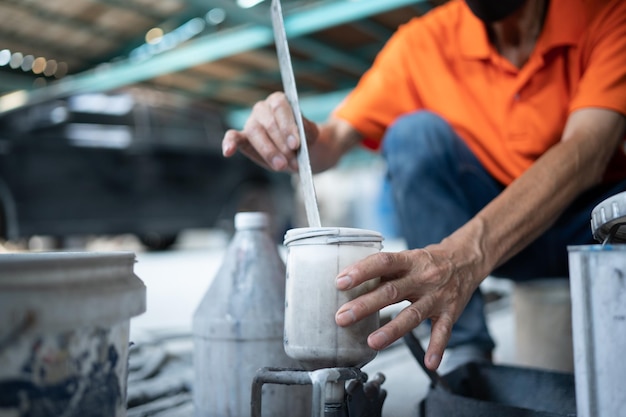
[(157, 242)]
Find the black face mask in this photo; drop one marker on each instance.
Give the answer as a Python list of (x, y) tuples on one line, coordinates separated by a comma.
[(493, 10)]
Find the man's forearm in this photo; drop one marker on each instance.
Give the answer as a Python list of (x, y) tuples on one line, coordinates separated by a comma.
[(528, 207), (336, 137)]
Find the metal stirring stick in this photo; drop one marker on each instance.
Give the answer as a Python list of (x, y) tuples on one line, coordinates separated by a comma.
[(289, 85)]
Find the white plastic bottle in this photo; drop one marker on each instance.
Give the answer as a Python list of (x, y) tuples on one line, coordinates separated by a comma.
[(238, 328)]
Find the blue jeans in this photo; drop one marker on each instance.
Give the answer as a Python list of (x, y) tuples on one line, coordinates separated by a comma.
[(438, 185)]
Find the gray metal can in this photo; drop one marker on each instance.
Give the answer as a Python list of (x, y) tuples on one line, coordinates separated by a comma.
[(598, 291)]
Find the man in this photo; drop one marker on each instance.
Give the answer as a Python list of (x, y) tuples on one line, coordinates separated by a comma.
[(502, 124)]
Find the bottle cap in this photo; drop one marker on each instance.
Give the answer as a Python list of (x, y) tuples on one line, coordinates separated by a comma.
[(251, 220), (608, 219)]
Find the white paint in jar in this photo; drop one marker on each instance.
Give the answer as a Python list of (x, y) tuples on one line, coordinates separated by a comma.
[(315, 257)]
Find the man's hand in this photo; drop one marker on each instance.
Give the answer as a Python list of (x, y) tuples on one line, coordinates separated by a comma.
[(270, 136), (437, 287)]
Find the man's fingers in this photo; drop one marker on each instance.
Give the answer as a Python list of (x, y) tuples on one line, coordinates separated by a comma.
[(407, 320), (272, 121), (230, 142), (439, 336), (270, 136), (377, 265), (429, 282), (387, 293), (269, 132), (263, 138), (284, 120), (235, 140)]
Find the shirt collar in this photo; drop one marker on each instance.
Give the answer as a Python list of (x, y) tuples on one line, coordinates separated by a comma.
[(565, 22)]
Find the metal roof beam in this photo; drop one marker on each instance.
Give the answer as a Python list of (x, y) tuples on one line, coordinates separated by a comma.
[(378, 31), (423, 7), (204, 49), (55, 51), (334, 13), (61, 19), (135, 8), (257, 14), (330, 56)]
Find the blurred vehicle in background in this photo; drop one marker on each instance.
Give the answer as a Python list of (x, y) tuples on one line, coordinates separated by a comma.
[(135, 162)]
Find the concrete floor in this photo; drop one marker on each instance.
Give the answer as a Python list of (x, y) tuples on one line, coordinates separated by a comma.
[(176, 280)]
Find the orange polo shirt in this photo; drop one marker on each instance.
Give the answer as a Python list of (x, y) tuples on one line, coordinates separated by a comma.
[(444, 62)]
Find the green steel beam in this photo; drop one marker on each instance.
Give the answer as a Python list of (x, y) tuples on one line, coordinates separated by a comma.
[(378, 31), (335, 13), (204, 49), (330, 56), (422, 7), (167, 25), (258, 14)]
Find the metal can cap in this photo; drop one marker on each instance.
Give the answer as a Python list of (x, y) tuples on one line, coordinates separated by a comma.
[(608, 219), (251, 220)]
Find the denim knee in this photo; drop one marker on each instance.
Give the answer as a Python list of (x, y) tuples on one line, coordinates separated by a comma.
[(418, 143)]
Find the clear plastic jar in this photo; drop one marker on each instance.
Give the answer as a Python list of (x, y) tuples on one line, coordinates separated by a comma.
[(315, 256)]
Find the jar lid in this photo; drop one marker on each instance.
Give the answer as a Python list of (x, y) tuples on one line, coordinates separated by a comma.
[(251, 220), (326, 235), (608, 219), (31, 269)]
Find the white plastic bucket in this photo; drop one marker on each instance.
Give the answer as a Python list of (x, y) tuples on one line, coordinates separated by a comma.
[(64, 329), (315, 256)]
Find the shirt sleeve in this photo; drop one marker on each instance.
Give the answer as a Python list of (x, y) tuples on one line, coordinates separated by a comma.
[(603, 62), (384, 92)]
